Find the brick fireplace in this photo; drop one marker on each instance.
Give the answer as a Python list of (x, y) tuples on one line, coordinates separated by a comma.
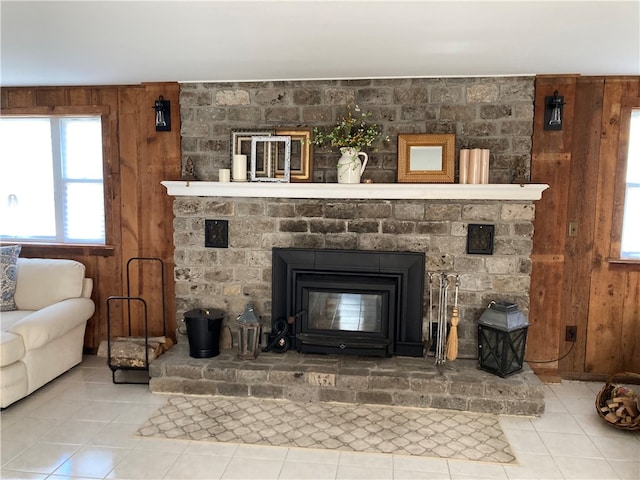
[(228, 278), (493, 112)]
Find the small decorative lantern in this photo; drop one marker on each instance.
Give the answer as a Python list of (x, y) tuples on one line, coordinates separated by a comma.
[(249, 327), (502, 338)]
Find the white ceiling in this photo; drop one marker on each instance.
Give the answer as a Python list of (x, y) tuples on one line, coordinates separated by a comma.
[(126, 42)]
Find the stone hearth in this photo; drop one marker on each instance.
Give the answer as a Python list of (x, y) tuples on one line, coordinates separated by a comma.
[(403, 381)]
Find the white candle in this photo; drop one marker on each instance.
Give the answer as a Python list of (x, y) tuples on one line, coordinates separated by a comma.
[(464, 165), (224, 175), (239, 168), (474, 165), (484, 166)]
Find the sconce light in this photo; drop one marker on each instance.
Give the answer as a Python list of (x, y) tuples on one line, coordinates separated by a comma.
[(163, 114), (553, 112)]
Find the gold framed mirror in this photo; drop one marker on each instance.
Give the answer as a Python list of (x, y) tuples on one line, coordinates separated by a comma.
[(426, 158), (301, 155)]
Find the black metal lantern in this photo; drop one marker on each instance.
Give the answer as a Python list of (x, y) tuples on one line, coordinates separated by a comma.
[(553, 111), (502, 338)]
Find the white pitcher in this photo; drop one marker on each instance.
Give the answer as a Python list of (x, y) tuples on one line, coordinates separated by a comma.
[(350, 167)]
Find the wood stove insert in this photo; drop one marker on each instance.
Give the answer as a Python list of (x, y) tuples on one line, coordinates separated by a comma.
[(349, 301)]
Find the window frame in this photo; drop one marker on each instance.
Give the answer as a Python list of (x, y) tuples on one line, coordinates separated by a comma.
[(103, 111), (627, 105)]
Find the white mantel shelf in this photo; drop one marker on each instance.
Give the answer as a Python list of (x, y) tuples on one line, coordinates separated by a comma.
[(359, 191)]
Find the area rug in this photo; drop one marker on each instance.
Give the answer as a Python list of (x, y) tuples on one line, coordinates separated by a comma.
[(335, 426)]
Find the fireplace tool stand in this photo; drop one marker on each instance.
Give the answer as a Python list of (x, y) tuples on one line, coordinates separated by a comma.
[(439, 337)]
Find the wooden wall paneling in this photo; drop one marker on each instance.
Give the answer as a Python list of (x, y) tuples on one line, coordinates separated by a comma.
[(46, 97), (585, 148), (80, 96), (160, 160), (18, 97), (108, 268), (147, 215), (608, 286), (130, 180), (551, 161), (631, 322), (542, 339), (627, 106), (547, 258), (148, 227)]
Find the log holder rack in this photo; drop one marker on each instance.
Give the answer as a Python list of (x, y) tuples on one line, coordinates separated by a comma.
[(128, 299)]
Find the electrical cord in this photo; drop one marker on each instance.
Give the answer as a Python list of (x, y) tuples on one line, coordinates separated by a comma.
[(573, 344)]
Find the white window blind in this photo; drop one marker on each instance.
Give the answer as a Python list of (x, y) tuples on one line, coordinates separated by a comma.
[(51, 182)]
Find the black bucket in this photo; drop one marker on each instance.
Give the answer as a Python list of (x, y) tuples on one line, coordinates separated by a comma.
[(203, 330)]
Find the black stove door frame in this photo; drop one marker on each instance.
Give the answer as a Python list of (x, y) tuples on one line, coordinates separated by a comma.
[(287, 262)]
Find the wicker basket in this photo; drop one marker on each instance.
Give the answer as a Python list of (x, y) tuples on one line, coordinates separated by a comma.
[(623, 412)]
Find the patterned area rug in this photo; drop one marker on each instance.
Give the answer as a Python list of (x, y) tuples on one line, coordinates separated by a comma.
[(335, 426)]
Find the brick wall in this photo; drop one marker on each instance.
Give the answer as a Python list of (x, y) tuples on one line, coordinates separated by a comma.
[(493, 112), (227, 278)]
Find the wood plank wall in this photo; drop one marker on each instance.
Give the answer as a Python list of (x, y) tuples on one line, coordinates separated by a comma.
[(139, 213), (573, 282)]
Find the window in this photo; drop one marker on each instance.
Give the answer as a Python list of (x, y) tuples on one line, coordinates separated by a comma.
[(51, 186), (630, 241)]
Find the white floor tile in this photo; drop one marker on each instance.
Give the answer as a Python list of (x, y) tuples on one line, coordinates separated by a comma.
[(257, 468), (116, 435), (306, 470), (99, 411), (586, 468), (92, 462), (592, 424), (626, 470), (16, 475), (525, 441), (11, 449), (83, 426), (570, 445), (42, 458), (74, 432), (312, 455), (135, 413), (557, 422), (211, 448), (261, 451), (417, 475), (162, 445), (534, 467), (579, 405), (514, 422), (143, 464), (618, 448), (372, 460), (192, 467), (459, 469), (420, 464), (572, 389), (356, 472), (29, 430), (554, 405)]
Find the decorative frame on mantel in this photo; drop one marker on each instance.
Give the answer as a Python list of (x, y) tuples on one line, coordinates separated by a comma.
[(380, 191), (426, 158)]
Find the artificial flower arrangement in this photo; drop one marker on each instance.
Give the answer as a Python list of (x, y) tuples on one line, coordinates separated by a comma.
[(351, 132)]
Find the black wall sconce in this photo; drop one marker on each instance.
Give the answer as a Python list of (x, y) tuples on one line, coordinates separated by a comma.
[(553, 112), (163, 114)]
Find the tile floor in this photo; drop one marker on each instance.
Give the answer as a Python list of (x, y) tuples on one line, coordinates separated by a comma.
[(82, 426)]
